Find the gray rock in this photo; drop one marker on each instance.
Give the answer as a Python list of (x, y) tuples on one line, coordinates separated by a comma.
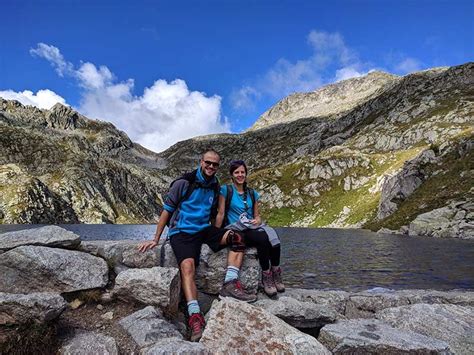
[(398, 187), (41, 269), (237, 325), (366, 304), (88, 343), (49, 236), (212, 268), (157, 286), (331, 299), (300, 314), (34, 307), (122, 253), (176, 347), (364, 336), (451, 323), (147, 327)]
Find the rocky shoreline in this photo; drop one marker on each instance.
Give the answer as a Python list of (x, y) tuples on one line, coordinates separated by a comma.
[(61, 294)]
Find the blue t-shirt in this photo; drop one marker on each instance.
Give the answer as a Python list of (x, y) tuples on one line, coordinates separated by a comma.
[(237, 206)]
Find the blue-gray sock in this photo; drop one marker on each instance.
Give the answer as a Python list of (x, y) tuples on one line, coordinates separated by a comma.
[(193, 307), (231, 274)]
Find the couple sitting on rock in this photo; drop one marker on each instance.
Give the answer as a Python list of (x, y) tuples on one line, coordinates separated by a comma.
[(188, 210)]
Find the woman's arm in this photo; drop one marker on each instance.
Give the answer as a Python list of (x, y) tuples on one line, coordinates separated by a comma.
[(220, 212), (256, 214)]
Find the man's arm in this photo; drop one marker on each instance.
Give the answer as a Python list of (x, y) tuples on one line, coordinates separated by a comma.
[(164, 217)]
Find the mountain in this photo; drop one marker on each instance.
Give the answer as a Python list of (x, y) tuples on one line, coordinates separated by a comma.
[(58, 166), (376, 151), (329, 101)]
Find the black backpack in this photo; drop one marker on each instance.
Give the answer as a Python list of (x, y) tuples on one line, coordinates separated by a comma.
[(228, 198), (193, 185)]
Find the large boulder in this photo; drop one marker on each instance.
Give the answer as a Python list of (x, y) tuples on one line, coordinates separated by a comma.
[(451, 323), (88, 343), (28, 269), (331, 299), (157, 286), (235, 326), (366, 304), (212, 268), (147, 327), (176, 347), (403, 183), (49, 236), (370, 336), (33, 307), (453, 221), (300, 314), (122, 254)]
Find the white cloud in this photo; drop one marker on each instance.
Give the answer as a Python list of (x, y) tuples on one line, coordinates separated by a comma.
[(331, 60), (408, 65), (166, 113), (244, 98), (42, 99), (347, 73), (54, 56)]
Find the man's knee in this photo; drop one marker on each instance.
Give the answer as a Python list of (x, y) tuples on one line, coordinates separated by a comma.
[(235, 241), (187, 268)]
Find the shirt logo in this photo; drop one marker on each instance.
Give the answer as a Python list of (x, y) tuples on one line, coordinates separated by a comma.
[(211, 199)]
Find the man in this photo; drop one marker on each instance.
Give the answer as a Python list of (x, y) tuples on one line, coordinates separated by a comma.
[(190, 227)]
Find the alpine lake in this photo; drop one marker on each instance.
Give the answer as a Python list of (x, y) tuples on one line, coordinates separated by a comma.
[(344, 259)]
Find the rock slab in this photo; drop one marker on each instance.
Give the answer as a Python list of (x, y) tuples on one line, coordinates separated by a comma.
[(33, 307), (89, 343), (370, 336), (451, 323), (29, 269), (147, 327), (300, 314), (237, 325), (122, 253), (157, 286), (49, 236)]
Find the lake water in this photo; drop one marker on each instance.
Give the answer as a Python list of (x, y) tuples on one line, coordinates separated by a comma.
[(348, 259)]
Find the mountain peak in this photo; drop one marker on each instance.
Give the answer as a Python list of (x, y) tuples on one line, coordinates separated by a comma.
[(330, 100)]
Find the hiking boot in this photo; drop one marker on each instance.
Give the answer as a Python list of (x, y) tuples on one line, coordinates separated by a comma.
[(196, 325), (276, 273), (268, 284), (235, 290)]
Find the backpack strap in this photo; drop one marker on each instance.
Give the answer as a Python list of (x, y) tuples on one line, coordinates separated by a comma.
[(228, 198)]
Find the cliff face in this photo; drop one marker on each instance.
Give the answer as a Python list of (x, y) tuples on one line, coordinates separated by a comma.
[(361, 152), (57, 166)]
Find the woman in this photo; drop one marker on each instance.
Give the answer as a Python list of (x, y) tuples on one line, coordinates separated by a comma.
[(238, 209)]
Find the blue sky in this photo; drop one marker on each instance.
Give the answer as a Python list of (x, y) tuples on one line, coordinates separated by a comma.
[(164, 71)]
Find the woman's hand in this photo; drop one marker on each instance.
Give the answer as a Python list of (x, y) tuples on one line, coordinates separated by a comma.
[(256, 221), (148, 245)]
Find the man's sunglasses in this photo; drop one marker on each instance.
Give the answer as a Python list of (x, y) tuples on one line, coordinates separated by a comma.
[(211, 163)]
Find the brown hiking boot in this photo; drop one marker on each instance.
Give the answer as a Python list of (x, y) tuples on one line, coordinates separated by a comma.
[(196, 325), (268, 284), (276, 273), (235, 290)]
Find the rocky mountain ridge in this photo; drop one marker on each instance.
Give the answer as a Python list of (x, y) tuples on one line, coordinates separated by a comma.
[(329, 101), (365, 163)]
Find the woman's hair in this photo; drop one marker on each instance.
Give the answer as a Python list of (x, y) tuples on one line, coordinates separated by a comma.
[(235, 164)]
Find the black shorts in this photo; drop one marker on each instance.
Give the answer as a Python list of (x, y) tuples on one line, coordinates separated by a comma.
[(186, 245)]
